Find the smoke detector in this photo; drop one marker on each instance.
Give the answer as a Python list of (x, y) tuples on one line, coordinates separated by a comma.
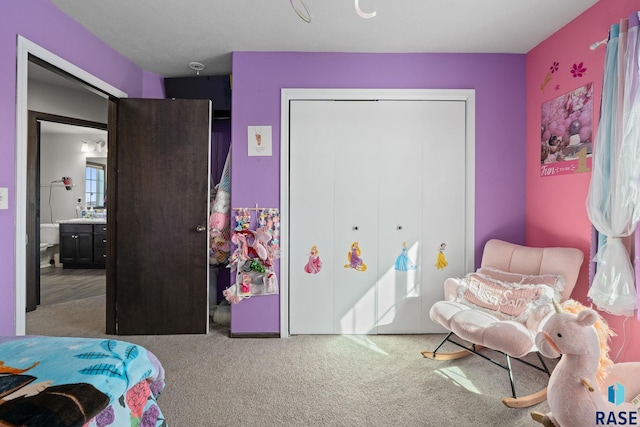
[(196, 66)]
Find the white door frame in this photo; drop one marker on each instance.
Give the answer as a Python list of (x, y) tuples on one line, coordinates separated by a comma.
[(26, 48), (290, 94)]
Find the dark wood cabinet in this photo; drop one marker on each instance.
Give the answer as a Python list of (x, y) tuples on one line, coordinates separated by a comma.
[(100, 244), (82, 245)]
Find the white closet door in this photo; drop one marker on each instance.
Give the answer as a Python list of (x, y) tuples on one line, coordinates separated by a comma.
[(311, 189), (443, 202), (399, 293), (357, 172)]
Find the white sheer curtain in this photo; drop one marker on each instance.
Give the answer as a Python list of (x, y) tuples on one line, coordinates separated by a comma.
[(613, 202)]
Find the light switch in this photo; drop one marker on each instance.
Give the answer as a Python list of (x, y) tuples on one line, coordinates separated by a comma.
[(4, 198)]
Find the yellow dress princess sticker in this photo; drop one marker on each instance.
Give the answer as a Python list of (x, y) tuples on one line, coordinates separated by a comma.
[(442, 262), (355, 261)]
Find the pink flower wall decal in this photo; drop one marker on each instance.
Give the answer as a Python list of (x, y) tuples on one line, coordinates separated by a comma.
[(554, 67), (578, 70)]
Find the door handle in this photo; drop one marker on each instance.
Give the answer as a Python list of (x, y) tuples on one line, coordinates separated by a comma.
[(201, 228)]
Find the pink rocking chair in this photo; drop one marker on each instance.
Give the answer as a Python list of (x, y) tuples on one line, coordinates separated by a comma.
[(504, 304)]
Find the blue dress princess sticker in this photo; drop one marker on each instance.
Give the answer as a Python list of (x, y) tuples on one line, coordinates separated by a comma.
[(403, 263)]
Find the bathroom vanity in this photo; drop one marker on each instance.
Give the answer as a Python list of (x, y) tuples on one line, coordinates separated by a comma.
[(83, 243)]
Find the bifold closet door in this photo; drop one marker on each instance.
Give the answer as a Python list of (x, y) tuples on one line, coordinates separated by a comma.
[(333, 208), (422, 203), (381, 183)]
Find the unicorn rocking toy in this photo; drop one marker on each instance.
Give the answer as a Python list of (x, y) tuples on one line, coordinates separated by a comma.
[(586, 388)]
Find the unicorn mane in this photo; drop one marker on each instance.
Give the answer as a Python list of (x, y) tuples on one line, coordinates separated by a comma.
[(604, 333)]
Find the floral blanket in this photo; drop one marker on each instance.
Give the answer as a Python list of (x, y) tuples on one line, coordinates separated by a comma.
[(62, 382)]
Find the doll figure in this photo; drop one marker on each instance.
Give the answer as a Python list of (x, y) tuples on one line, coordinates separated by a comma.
[(403, 263), (245, 286), (442, 262), (355, 261), (314, 265)]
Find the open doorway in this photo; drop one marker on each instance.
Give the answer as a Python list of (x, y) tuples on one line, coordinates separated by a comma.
[(150, 132), (67, 163), (47, 83)]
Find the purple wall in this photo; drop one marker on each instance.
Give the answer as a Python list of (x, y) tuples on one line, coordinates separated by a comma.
[(499, 82), (45, 25)]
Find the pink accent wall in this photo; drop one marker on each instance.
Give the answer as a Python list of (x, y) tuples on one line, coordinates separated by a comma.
[(44, 24), (555, 205)]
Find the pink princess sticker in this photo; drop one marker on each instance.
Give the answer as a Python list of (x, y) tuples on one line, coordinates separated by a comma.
[(314, 264)]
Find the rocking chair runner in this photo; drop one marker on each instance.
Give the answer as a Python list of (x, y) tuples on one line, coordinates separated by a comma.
[(477, 310)]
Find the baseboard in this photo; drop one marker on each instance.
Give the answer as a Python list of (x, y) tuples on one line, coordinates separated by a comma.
[(254, 334)]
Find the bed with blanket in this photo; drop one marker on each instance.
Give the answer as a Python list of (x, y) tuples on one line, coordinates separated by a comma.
[(63, 381)]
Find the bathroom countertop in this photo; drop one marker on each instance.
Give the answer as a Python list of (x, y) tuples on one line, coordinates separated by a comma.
[(83, 221)]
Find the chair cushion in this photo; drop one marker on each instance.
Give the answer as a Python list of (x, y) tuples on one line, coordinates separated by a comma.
[(483, 328)]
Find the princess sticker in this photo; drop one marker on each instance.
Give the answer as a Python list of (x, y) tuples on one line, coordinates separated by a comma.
[(314, 265), (355, 261), (403, 263), (442, 262)]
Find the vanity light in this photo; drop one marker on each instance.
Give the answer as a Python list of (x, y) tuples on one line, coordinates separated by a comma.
[(97, 146), (101, 146)]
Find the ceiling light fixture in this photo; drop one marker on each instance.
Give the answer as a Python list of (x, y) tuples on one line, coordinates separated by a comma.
[(307, 17), (362, 14), (197, 67)]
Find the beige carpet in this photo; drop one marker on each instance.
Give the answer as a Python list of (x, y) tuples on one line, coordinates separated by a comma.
[(214, 380)]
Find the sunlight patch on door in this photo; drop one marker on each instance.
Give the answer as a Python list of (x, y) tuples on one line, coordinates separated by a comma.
[(360, 319), (396, 286)]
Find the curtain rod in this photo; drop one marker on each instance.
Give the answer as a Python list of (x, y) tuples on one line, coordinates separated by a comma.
[(595, 45)]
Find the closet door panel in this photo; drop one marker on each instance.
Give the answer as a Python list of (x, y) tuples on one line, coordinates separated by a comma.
[(356, 216), (444, 198), (399, 293), (312, 141)]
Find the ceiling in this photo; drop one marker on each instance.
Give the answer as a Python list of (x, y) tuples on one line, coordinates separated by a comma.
[(164, 36)]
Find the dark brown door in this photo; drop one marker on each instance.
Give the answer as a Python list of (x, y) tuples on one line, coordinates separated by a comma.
[(157, 270)]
